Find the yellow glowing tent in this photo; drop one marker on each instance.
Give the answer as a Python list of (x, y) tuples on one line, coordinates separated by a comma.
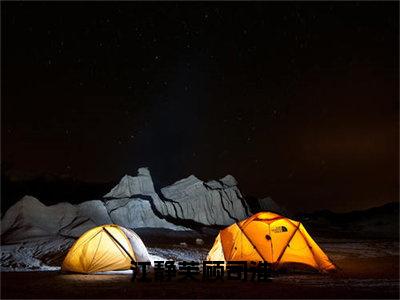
[(105, 248), (272, 238)]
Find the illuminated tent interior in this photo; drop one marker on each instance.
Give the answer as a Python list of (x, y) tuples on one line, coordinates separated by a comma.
[(105, 248), (269, 237)]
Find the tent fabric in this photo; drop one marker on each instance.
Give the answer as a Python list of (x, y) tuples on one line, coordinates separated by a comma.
[(272, 238), (105, 248), (139, 249)]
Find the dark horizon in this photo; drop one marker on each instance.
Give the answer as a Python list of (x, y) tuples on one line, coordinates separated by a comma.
[(297, 102)]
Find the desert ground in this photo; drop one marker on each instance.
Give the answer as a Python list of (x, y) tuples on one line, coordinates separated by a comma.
[(367, 269)]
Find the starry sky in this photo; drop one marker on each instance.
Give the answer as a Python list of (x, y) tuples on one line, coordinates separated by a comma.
[(298, 101)]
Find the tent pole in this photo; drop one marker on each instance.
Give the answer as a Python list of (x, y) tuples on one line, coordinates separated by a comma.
[(251, 242), (284, 249), (119, 244)]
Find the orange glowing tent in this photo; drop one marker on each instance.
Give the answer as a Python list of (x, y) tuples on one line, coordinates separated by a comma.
[(269, 237), (105, 248)]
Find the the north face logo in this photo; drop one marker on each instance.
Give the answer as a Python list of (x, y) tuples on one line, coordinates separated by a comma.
[(279, 229)]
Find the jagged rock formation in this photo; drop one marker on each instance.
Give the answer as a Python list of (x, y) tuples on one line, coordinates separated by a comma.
[(35, 233), (209, 203), (217, 202), (29, 218), (130, 186), (137, 213), (133, 203)]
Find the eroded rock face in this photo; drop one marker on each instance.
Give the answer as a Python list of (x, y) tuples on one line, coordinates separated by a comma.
[(36, 235), (129, 186), (209, 203), (29, 218), (137, 213), (133, 203), (216, 202)]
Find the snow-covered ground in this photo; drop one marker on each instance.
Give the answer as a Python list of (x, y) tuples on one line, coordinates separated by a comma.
[(15, 259), (36, 257), (32, 257)]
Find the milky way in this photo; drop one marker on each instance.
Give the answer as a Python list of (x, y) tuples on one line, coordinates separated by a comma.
[(298, 102)]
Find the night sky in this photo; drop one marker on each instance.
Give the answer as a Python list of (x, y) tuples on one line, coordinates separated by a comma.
[(297, 101)]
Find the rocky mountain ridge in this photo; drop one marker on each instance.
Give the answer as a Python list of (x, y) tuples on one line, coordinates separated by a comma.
[(186, 205)]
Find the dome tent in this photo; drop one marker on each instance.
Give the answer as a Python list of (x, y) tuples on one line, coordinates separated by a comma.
[(272, 238), (105, 248)]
